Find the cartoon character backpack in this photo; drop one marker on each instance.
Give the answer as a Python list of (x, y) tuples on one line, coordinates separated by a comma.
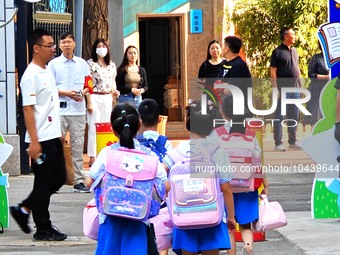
[(245, 160), (195, 199), (129, 188), (157, 147)]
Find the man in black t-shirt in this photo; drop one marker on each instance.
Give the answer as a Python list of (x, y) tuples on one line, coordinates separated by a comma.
[(285, 72), (235, 70)]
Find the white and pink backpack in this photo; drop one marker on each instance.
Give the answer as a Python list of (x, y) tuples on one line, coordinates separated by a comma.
[(195, 199), (245, 159)]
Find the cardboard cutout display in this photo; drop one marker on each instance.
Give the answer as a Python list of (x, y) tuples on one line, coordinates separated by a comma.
[(322, 146), (6, 150)]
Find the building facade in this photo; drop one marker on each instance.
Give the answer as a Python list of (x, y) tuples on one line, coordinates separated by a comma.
[(172, 38)]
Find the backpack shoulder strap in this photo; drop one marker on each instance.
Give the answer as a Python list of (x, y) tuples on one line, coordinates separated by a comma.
[(175, 155), (221, 131), (211, 148), (161, 140), (144, 141), (208, 151)]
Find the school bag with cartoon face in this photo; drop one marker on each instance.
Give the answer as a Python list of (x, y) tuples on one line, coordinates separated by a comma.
[(129, 188), (195, 199)]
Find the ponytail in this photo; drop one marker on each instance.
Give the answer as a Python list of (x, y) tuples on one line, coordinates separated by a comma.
[(125, 122)]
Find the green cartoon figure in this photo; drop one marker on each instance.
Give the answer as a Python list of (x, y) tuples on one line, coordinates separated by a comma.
[(323, 146), (6, 151), (325, 198)]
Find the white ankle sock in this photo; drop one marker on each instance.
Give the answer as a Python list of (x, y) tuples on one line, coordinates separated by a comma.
[(23, 210)]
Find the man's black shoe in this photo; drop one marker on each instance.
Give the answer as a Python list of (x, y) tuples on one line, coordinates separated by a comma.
[(81, 188), (50, 234), (21, 218)]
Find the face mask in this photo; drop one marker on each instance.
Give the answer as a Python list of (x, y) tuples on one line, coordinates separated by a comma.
[(101, 52)]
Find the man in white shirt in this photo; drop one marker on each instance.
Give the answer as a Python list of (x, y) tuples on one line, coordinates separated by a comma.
[(42, 120), (70, 72)]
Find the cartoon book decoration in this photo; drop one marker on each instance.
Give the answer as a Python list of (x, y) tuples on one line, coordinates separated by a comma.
[(329, 35)]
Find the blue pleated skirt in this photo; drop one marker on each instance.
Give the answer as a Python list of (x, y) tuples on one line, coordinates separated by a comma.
[(121, 236), (195, 240), (246, 207)]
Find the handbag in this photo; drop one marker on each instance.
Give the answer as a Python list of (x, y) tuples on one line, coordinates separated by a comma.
[(91, 220), (163, 229), (271, 215)]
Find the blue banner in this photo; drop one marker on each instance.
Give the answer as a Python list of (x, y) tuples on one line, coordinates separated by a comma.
[(334, 16), (196, 21)]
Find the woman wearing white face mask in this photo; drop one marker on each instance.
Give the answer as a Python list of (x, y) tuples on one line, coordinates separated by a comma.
[(103, 71)]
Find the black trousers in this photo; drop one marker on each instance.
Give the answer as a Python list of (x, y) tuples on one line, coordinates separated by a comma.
[(48, 178)]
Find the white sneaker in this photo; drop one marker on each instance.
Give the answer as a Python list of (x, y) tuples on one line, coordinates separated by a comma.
[(296, 145), (280, 147)]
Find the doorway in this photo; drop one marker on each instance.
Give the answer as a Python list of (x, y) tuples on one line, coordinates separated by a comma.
[(161, 54)]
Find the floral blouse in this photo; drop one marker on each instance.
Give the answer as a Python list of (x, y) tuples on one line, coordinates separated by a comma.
[(104, 78)]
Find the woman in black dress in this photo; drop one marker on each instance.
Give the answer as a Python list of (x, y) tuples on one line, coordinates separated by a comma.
[(210, 69)]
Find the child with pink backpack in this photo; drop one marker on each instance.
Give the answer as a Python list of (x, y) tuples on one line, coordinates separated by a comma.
[(129, 183), (246, 203), (197, 199)]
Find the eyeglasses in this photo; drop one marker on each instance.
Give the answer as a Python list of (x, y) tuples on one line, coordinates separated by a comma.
[(66, 42), (48, 46)]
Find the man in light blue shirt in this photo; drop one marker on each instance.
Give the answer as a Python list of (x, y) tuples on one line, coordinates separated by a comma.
[(70, 72)]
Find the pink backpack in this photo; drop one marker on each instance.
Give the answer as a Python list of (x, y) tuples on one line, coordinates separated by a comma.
[(129, 188), (195, 199), (243, 158)]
